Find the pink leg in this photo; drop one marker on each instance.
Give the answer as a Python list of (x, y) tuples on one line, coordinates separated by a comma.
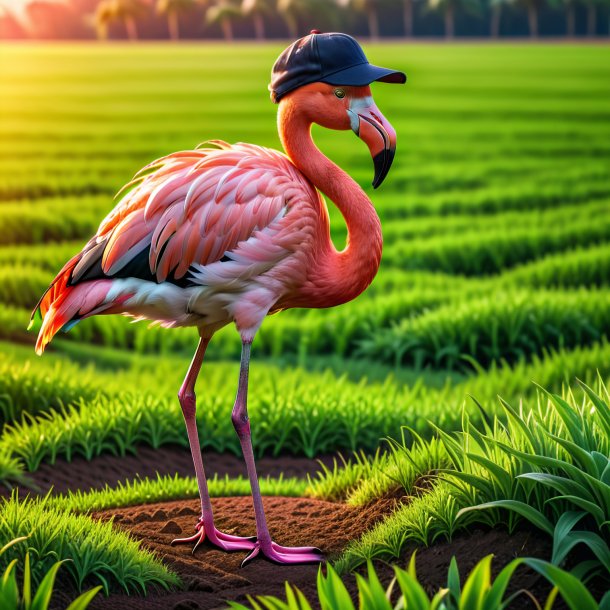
[(241, 422), (205, 526)]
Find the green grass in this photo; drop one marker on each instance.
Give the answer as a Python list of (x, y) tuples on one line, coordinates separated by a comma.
[(479, 590), (495, 265), (17, 591), (491, 172), (543, 464), (98, 552), (163, 488), (507, 326), (293, 411)]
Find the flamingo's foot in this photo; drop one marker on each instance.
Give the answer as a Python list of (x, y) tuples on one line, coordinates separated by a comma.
[(285, 554), (226, 542)]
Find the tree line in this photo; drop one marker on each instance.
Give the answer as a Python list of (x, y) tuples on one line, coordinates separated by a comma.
[(293, 18)]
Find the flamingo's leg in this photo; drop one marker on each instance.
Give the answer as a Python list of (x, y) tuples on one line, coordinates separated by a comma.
[(264, 545), (205, 528)]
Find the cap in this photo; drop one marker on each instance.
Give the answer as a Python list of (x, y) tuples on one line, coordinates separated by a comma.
[(333, 58)]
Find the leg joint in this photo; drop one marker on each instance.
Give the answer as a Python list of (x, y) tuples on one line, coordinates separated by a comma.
[(241, 423), (187, 402)]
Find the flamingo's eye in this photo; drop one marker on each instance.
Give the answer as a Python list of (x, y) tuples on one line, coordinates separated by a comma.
[(340, 93)]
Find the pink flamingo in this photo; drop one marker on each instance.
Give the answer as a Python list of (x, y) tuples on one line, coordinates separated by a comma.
[(231, 233)]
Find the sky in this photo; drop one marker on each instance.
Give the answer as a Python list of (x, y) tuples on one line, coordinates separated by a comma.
[(17, 8)]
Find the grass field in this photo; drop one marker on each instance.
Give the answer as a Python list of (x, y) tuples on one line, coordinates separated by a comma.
[(495, 274)]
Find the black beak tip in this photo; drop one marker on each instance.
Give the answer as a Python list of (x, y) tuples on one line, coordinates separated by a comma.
[(382, 162)]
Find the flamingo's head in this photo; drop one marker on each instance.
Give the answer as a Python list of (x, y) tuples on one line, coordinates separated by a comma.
[(327, 76), (342, 108)]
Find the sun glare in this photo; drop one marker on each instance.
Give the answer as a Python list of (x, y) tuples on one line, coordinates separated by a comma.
[(17, 8)]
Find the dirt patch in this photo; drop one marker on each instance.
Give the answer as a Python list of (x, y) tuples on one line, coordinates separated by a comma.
[(212, 576), (469, 548), (171, 459)]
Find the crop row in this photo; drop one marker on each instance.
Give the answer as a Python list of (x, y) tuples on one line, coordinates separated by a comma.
[(435, 327), (295, 411), (63, 219), (569, 269), (49, 257), (399, 230), (164, 488), (26, 271), (492, 199), (505, 326), (22, 223), (474, 253), (465, 186), (314, 332)]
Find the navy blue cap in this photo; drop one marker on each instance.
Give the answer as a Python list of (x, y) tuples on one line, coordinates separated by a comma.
[(333, 58)]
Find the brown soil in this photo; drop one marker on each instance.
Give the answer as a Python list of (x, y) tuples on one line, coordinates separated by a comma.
[(469, 548), (171, 459), (211, 576)]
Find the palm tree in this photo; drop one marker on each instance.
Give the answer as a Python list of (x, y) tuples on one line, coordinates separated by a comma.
[(407, 16), (172, 9), (450, 8), (104, 16), (370, 9), (223, 12), (118, 10), (570, 9), (256, 9), (532, 7), (291, 10), (495, 7), (591, 17)]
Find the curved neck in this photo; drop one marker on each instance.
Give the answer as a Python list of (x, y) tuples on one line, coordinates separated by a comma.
[(343, 275)]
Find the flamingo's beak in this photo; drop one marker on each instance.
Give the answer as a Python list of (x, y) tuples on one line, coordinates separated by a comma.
[(371, 126)]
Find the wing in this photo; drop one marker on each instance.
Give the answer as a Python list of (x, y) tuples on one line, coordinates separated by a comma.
[(189, 210), (192, 208)]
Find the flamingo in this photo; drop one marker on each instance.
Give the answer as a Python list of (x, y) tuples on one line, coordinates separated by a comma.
[(232, 233)]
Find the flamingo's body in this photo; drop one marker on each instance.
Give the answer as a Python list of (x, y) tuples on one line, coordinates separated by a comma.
[(230, 233), (209, 236)]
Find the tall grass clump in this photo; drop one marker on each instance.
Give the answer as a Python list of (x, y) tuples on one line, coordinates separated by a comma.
[(548, 465), (23, 596), (98, 552), (479, 590)]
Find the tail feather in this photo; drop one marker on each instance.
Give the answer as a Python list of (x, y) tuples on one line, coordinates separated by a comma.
[(63, 304), (57, 286)]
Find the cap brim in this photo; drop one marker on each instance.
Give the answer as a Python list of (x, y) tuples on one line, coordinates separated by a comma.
[(364, 74)]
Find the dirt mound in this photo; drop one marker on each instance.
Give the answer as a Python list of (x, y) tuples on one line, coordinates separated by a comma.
[(171, 459), (212, 576)]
